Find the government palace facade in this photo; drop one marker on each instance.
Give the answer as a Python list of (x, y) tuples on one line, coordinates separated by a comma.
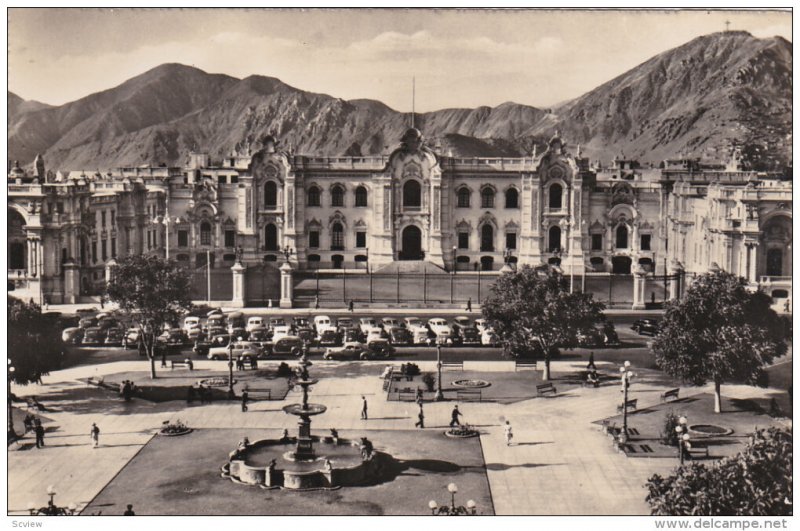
[(258, 205)]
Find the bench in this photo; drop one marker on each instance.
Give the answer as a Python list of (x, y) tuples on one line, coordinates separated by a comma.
[(454, 365), (672, 393), (469, 395), (543, 389), (181, 363), (699, 450), (386, 384), (259, 394), (630, 404), (407, 395), (524, 365)]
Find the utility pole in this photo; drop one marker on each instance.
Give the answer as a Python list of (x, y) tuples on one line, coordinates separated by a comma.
[(208, 269)]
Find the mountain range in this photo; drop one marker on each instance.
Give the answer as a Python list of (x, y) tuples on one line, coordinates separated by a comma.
[(699, 99)]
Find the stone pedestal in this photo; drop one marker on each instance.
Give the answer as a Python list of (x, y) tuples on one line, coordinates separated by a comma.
[(639, 276), (239, 292), (72, 283), (287, 289)]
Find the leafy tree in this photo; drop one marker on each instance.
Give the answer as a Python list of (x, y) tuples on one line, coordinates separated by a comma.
[(34, 341), (153, 291), (720, 331), (531, 309), (755, 482)]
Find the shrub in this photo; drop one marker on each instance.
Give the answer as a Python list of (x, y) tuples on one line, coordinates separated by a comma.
[(429, 380), (284, 371), (410, 369), (668, 434)]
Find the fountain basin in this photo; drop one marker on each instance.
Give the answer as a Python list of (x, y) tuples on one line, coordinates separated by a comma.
[(298, 409)]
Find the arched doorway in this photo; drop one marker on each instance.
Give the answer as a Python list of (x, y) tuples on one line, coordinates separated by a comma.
[(621, 265), (554, 238), (17, 246), (412, 244)]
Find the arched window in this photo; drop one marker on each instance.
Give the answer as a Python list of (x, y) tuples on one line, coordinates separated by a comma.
[(313, 197), (361, 196), (622, 237), (512, 198), (337, 237), (487, 238), (412, 194), (554, 238), (463, 197), (205, 233), (337, 196), (270, 237), (555, 196), (774, 262), (270, 195), (487, 198)]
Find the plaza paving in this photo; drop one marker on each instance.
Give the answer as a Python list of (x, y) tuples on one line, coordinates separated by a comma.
[(561, 463)]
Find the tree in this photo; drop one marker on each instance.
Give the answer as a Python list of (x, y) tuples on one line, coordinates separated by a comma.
[(34, 342), (720, 331), (755, 482), (153, 291), (532, 308)]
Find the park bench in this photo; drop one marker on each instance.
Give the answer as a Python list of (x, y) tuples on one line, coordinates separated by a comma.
[(181, 363), (407, 395), (386, 384), (454, 365), (259, 394), (630, 404), (543, 389), (672, 393), (698, 450), (524, 365), (469, 395)]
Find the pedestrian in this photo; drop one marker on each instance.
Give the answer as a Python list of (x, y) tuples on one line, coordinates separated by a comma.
[(39, 429), (454, 417), (28, 423), (469, 304), (316, 302), (350, 305), (239, 363), (129, 511), (421, 418), (419, 396), (363, 408), (508, 433), (652, 297), (245, 397), (591, 366), (95, 434)]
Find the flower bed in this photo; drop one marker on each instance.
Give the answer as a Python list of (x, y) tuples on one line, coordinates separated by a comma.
[(462, 432), (174, 429)]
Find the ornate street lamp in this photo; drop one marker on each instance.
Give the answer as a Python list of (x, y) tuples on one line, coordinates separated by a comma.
[(452, 510), (11, 432), (683, 438), (455, 252), (439, 395), (287, 252), (626, 376), (52, 509)]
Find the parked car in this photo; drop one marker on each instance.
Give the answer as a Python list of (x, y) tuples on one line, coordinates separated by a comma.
[(329, 337), (255, 322), (239, 333), (610, 337), (216, 320), (94, 336), (400, 336), (378, 349), (287, 345), (591, 337), (201, 346), (133, 334), (307, 334), (649, 327), (488, 338), (301, 322), (259, 334), (481, 325), (215, 331), (174, 339), (421, 335), (190, 323), (72, 335), (365, 323), (87, 322), (390, 322), (376, 333), (281, 331), (441, 329), (236, 349), (413, 322), (321, 322), (193, 334), (275, 322), (350, 350), (470, 336), (462, 321), (352, 334), (344, 322), (114, 337), (107, 321)]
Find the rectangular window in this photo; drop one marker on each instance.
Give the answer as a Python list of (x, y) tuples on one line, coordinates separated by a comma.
[(361, 239), (113, 247), (230, 238), (149, 240), (645, 242), (113, 218), (313, 239), (337, 240), (221, 179), (104, 250), (183, 238), (60, 207), (234, 179), (94, 252), (463, 240), (597, 242), (511, 240), (103, 219)]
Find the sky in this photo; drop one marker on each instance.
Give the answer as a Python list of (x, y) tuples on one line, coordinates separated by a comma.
[(460, 58)]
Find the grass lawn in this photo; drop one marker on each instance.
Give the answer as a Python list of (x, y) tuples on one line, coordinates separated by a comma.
[(181, 476)]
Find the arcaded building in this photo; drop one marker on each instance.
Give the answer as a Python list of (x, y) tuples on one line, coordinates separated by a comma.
[(413, 205)]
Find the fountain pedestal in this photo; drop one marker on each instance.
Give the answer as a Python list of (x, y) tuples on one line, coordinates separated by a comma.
[(304, 450)]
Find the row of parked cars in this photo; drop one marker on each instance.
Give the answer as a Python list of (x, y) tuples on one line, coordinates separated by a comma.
[(646, 327)]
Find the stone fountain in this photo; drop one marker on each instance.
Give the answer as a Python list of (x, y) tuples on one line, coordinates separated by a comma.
[(304, 448)]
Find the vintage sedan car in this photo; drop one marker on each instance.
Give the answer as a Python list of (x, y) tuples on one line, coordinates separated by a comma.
[(470, 336), (365, 323), (441, 329), (352, 334), (462, 321), (378, 349), (322, 321), (275, 322), (287, 345), (350, 350), (255, 322), (173, 339), (376, 333), (649, 327), (413, 323), (329, 337), (591, 337), (191, 322), (306, 333), (344, 322), (400, 336), (94, 336), (301, 322), (87, 322), (421, 335), (72, 335), (114, 337), (244, 349), (259, 334), (390, 322), (193, 334), (481, 325), (216, 320), (240, 333), (281, 331)]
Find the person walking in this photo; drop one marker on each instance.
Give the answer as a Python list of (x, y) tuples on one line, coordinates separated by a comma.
[(245, 398), (363, 408), (95, 434), (421, 418), (129, 511), (508, 433), (591, 365), (454, 417), (39, 429), (350, 306), (469, 304)]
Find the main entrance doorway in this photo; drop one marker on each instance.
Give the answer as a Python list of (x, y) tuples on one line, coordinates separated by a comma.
[(412, 244), (621, 265)]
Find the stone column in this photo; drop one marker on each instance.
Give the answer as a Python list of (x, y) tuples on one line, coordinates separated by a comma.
[(239, 290), (639, 275), (286, 286), (72, 282), (675, 288)]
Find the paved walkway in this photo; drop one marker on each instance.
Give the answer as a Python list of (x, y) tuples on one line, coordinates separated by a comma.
[(560, 462)]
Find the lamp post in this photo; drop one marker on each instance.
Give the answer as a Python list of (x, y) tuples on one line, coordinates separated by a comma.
[(626, 376), (287, 252), (455, 252), (683, 438), (166, 221), (208, 272), (367, 251), (11, 432), (453, 509), (51, 509), (439, 395), (231, 394)]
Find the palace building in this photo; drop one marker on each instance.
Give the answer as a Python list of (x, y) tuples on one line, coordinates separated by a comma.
[(416, 205)]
